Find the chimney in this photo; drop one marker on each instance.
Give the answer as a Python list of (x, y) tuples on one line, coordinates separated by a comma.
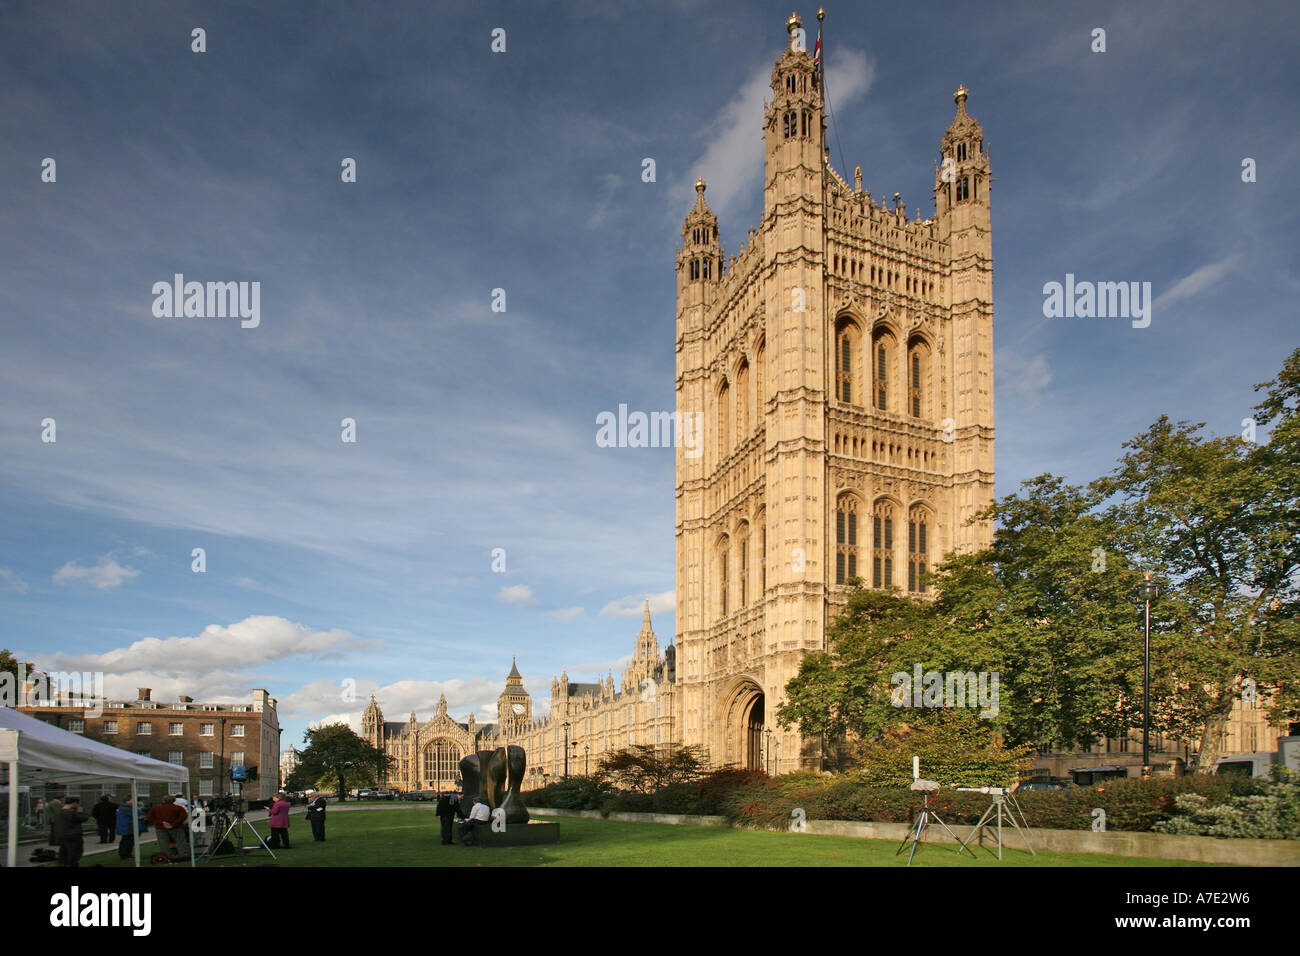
[(144, 693)]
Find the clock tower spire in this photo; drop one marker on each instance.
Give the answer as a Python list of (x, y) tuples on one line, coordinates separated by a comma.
[(514, 706)]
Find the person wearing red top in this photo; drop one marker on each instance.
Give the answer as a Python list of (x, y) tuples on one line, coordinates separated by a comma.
[(278, 820), (170, 824)]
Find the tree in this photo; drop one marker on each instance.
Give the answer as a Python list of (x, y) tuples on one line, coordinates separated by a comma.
[(647, 768), (336, 754), (1219, 520)]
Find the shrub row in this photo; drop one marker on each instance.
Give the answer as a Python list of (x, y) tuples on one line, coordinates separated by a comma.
[(752, 799)]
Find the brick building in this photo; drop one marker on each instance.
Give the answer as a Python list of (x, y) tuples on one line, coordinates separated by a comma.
[(208, 739)]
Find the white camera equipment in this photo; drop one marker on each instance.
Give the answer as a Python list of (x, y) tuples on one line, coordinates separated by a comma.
[(1002, 797), (925, 817)]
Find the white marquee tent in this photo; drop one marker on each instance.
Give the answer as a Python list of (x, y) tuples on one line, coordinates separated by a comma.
[(40, 753)]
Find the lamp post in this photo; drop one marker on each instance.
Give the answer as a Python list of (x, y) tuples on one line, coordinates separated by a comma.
[(565, 725), (1148, 591), (586, 760)]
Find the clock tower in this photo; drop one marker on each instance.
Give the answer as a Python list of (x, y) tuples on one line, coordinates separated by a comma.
[(514, 706)]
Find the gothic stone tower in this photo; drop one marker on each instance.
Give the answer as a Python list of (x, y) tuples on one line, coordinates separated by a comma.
[(843, 362)]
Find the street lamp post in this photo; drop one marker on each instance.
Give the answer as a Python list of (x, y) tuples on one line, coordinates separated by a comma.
[(566, 747), (586, 759), (1148, 590)]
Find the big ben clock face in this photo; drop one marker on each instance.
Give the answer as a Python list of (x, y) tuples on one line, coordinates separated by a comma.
[(518, 709)]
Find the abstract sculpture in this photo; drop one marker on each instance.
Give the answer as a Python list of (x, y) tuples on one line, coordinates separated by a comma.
[(494, 777)]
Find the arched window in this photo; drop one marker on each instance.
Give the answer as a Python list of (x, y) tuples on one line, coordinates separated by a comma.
[(882, 542), (742, 401), (724, 581), (917, 550), (760, 382), (846, 539), (743, 547), (918, 371), (724, 400), (441, 760), (846, 347), (963, 189), (882, 350), (961, 152)]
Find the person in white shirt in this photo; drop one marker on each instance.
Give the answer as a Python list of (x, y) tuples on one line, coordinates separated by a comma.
[(478, 816), (182, 803)]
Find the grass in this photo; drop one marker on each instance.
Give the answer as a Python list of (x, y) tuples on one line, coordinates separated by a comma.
[(397, 836)]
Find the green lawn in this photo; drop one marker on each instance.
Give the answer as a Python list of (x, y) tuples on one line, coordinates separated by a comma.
[(409, 837)]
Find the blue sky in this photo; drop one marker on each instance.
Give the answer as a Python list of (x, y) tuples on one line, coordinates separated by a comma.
[(371, 562)]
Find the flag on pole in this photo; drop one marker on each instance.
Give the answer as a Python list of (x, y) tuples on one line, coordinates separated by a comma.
[(817, 50)]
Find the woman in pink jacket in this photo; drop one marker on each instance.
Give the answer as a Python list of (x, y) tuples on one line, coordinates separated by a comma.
[(278, 820)]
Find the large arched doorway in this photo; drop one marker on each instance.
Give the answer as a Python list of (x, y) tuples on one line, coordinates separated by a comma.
[(745, 716)]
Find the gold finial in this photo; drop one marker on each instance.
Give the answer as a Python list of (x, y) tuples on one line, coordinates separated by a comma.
[(821, 13), (794, 23), (700, 185), (960, 96)]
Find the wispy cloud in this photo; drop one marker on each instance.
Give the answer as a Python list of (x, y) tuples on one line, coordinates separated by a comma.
[(661, 603), (565, 614), (11, 583), (107, 573), (1204, 277), (520, 595)]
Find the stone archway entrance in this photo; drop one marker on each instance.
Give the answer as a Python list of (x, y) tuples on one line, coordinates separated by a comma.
[(746, 716)]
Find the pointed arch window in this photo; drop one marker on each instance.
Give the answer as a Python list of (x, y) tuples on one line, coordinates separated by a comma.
[(882, 543), (724, 401), (845, 348), (846, 539), (961, 152), (918, 371), (882, 348), (724, 582), (963, 189), (918, 548), (744, 568)]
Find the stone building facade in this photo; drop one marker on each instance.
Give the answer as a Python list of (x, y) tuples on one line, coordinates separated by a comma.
[(583, 720), (843, 363)]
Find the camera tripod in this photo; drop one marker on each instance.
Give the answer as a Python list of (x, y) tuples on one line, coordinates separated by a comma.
[(923, 820), (240, 824), (1001, 796)]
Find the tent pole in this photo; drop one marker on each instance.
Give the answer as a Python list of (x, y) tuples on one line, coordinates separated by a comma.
[(135, 822), (11, 854), (189, 803)]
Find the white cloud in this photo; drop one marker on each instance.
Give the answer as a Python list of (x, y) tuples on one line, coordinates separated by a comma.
[(106, 574), (565, 613), (663, 603), (10, 583), (732, 162), (520, 595), (1022, 378), (218, 652), (1202, 278)]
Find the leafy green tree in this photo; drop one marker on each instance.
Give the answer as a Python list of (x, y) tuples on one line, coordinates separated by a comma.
[(646, 768), (336, 754), (1215, 518), (955, 747)]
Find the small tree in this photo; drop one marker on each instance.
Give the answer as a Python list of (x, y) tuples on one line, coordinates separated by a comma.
[(336, 754), (646, 768)]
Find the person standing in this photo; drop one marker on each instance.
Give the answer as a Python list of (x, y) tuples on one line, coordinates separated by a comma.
[(105, 814), (67, 830), (278, 820), (316, 817), (448, 808), (125, 814), (53, 807), (169, 822)]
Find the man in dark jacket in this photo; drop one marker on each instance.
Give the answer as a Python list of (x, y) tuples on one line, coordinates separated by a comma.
[(316, 817), (67, 830), (448, 808), (105, 814)]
